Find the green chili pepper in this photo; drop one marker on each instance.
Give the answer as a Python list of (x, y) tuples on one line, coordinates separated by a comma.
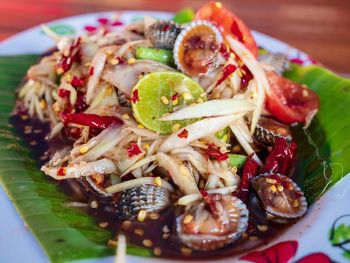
[(184, 16), (156, 54)]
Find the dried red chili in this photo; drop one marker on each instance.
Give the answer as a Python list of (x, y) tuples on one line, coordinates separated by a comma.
[(91, 120), (282, 158), (226, 72), (133, 150), (77, 82), (183, 134), (250, 170), (135, 96), (175, 96), (213, 152), (63, 93), (91, 71), (61, 171), (74, 55)]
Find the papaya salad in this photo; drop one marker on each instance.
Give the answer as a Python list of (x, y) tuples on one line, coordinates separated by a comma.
[(179, 130)]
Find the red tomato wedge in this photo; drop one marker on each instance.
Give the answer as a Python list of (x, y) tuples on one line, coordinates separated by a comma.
[(290, 102), (228, 23)]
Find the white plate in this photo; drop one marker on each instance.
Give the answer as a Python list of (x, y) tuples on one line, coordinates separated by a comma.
[(17, 244)]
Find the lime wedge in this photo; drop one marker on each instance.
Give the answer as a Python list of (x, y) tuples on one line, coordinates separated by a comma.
[(159, 93)]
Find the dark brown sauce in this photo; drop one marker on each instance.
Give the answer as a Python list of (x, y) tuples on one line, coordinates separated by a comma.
[(260, 231)]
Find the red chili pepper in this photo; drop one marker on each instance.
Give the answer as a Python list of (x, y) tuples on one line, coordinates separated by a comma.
[(213, 152), (91, 71), (175, 96), (247, 76), (91, 120), (74, 55), (63, 93), (133, 150), (61, 171), (226, 72), (80, 104), (282, 158), (225, 51), (77, 82), (183, 134), (135, 96), (250, 170)]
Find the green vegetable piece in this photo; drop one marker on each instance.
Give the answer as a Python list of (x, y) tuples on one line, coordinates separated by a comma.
[(156, 54), (223, 135), (184, 16), (159, 93), (237, 160)]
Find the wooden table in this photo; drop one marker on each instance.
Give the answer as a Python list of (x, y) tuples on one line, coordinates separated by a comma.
[(319, 27)]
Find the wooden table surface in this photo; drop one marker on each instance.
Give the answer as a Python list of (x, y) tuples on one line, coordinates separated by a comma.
[(319, 27)]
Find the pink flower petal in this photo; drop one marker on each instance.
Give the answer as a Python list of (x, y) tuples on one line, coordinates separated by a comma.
[(117, 23), (103, 20), (297, 61), (90, 28)]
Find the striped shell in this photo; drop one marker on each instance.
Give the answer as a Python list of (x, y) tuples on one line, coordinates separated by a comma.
[(278, 61), (162, 34), (237, 218), (146, 197), (281, 198), (268, 129), (196, 50)]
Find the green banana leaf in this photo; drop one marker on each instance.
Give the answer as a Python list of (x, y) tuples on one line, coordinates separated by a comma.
[(66, 234)]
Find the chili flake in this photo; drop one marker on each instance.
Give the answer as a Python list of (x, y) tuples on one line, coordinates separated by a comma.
[(77, 82), (133, 150), (91, 71), (183, 134), (63, 93), (61, 171), (213, 152), (135, 96)]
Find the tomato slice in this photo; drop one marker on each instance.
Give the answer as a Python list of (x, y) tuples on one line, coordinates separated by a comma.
[(228, 23), (288, 101)]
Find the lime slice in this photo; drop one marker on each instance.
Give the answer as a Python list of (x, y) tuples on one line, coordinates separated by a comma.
[(159, 93)]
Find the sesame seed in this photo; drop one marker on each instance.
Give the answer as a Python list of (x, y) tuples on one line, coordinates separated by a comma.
[(112, 243), (280, 188), (305, 93), (175, 101), (84, 149), (296, 203), (131, 61), (109, 90), (175, 127), (166, 229), (139, 232), (126, 116), (146, 146), (164, 100), (270, 181), (126, 224), (24, 117), (245, 235), (103, 224), (158, 181), (33, 143), (154, 216), (236, 148), (157, 251), (147, 243), (114, 61), (140, 126), (94, 204), (37, 131), (68, 77), (186, 251), (141, 216), (239, 73), (253, 238), (42, 104), (187, 96), (262, 228), (165, 235), (59, 71), (273, 188), (188, 219), (232, 55), (218, 4)]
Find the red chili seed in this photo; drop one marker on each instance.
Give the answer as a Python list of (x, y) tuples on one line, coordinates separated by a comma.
[(183, 134), (133, 150)]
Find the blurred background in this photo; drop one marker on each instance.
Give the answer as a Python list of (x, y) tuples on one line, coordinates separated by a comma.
[(321, 28)]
